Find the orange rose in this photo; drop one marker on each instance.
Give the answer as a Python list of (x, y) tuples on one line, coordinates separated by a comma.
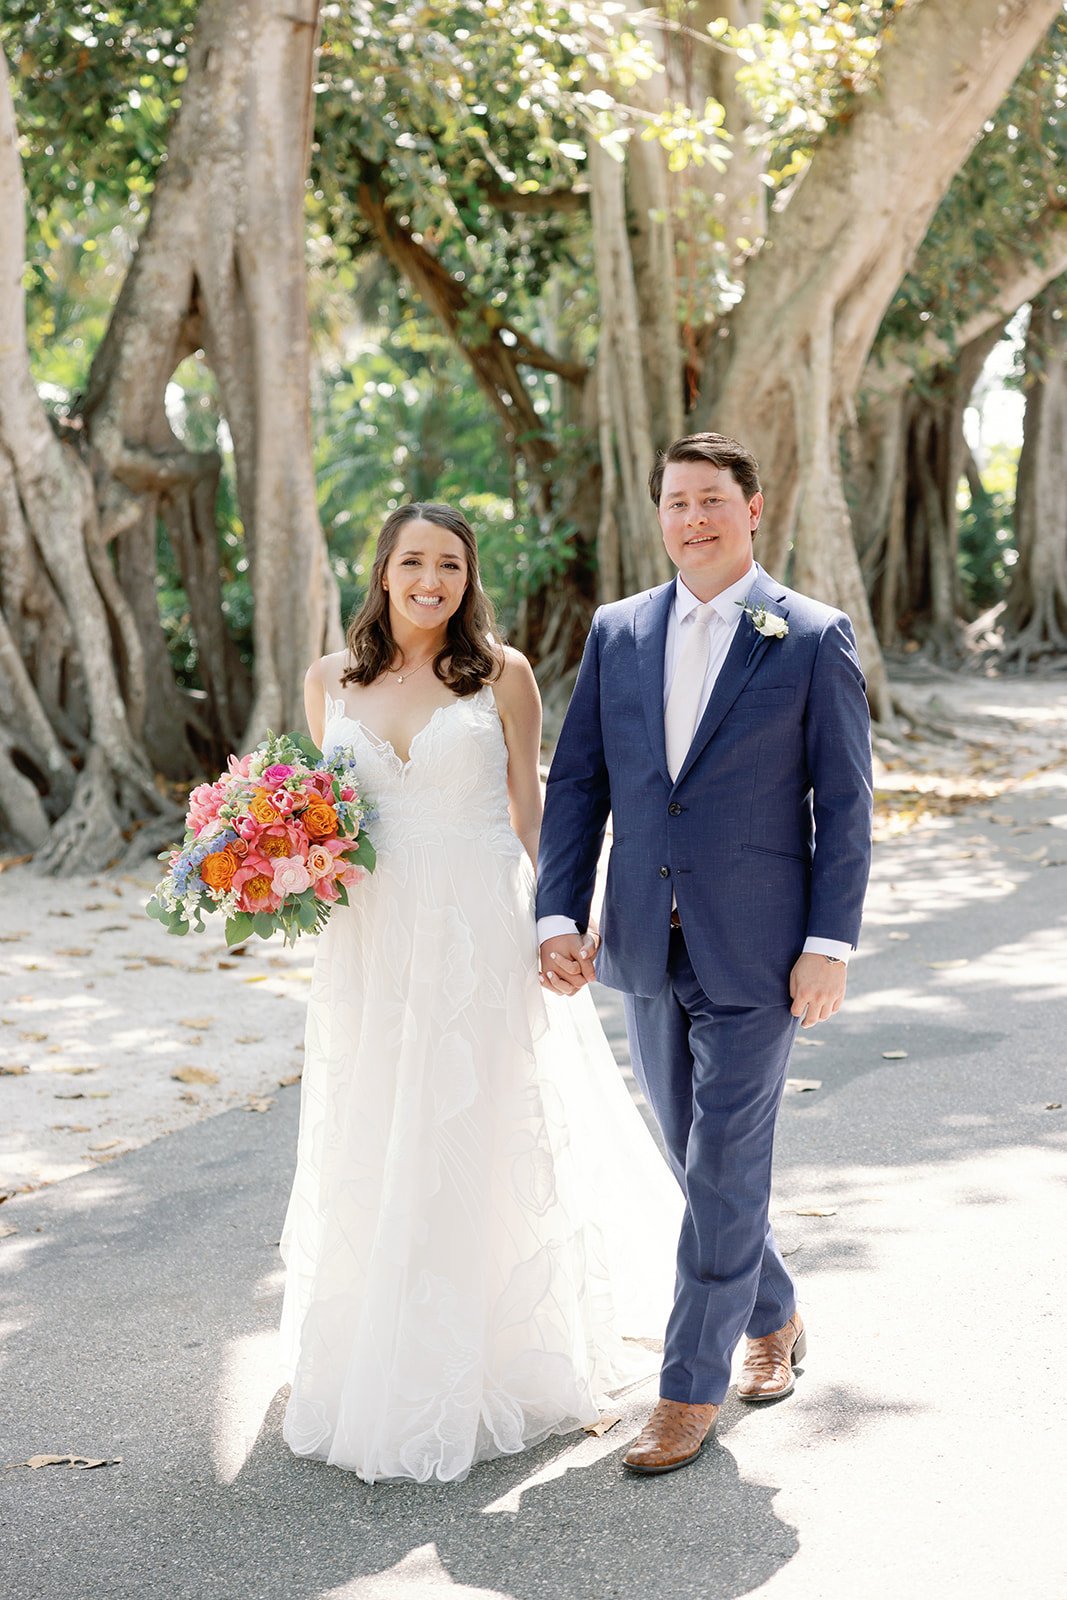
[(217, 870), (261, 808), (320, 820)]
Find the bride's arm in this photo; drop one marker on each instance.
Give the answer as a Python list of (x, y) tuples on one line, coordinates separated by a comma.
[(519, 705), (315, 701)]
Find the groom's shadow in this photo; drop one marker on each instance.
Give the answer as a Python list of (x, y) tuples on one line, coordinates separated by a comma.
[(591, 1529)]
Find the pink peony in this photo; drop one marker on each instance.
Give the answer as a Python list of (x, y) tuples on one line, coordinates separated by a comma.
[(276, 775), (282, 839), (291, 876), (252, 880), (351, 874), (205, 803)]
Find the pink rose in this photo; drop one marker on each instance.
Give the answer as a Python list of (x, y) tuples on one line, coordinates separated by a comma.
[(351, 874), (348, 794), (291, 876), (319, 861), (276, 775), (323, 782), (326, 889)]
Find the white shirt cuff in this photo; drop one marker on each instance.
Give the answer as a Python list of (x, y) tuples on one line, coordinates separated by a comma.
[(553, 927), (828, 947)]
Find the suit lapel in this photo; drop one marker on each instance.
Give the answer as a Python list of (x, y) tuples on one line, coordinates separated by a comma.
[(650, 636), (743, 657)]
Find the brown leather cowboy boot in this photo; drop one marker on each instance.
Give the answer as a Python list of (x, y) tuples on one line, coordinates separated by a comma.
[(673, 1436), (767, 1373)]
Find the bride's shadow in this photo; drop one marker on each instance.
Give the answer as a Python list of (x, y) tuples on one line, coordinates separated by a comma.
[(564, 1519)]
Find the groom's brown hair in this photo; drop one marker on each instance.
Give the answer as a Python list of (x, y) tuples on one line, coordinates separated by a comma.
[(714, 448)]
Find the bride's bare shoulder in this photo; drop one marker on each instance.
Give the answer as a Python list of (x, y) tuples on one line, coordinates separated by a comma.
[(515, 682), (326, 671)]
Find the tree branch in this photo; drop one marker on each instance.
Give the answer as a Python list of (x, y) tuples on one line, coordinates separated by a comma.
[(1015, 277)]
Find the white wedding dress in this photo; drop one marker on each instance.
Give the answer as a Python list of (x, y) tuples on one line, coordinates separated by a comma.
[(479, 1214)]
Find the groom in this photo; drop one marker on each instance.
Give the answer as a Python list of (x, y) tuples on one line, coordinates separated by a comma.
[(721, 720)]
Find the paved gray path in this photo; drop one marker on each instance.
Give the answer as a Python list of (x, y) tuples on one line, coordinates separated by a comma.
[(922, 1453)]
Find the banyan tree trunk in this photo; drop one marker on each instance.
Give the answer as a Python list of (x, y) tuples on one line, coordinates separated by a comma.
[(1036, 612), (90, 708)]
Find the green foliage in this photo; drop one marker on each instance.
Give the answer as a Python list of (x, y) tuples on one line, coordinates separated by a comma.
[(1016, 174), (801, 69), (987, 549)]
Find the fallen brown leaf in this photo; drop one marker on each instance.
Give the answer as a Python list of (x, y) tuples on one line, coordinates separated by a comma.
[(71, 1127), (194, 1075), (803, 1085), (601, 1426), (816, 1211), (75, 950), (257, 977), (108, 1144), (894, 1055), (33, 1038), (84, 1462), (11, 938), (260, 1103), (196, 1023), (248, 1038), (13, 1070), (7, 1229), (898, 934), (287, 1083), (1054, 1105), (943, 966)]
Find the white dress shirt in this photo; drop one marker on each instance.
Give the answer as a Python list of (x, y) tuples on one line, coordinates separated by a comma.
[(727, 611)]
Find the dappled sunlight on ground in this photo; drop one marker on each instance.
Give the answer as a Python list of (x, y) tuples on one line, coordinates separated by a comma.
[(99, 1009)]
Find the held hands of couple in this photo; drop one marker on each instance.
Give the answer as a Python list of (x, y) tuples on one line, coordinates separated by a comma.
[(817, 988), (567, 961)]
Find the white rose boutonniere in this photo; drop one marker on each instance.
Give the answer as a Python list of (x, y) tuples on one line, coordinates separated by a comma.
[(765, 622)]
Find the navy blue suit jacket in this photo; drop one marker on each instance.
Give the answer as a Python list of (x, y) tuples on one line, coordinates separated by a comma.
[(765, 836)]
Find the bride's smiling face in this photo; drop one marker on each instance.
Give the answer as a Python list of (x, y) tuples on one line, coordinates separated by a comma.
[(426, 576)]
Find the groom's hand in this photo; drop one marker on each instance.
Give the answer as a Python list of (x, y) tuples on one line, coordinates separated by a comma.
[(567, 961), (817, 987)]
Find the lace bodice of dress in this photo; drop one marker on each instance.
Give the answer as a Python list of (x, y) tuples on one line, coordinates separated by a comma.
[(453, 784)]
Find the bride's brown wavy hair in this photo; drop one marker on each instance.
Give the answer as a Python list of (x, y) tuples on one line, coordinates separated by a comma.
[(467, 659)]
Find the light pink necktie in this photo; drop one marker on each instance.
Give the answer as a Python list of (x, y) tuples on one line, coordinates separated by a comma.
[(687, 687)]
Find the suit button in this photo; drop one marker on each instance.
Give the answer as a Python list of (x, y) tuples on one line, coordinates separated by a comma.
[(674, 809), (664, 872)]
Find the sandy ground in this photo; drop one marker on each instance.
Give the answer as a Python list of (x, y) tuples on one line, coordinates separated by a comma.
[(113, 1033)]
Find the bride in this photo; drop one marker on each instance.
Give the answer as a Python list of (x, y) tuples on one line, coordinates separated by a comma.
[(479, 1216)]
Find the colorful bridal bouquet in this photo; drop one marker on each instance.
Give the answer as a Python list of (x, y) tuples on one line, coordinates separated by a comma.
[(275, 842)]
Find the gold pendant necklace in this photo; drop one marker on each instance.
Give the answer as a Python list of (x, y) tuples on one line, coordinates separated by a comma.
[(401, 676)]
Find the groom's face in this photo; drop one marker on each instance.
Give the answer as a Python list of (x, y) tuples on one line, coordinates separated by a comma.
[(707, 525)]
